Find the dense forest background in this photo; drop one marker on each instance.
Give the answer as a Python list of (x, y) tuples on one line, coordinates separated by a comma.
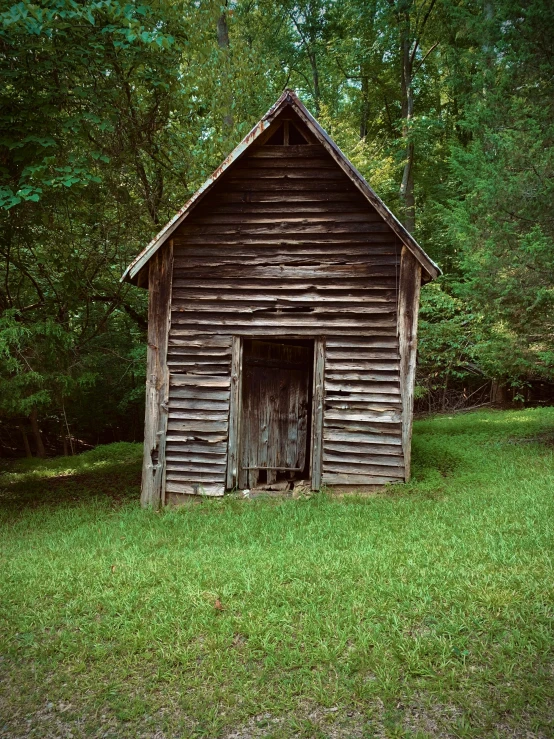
[(113, 113)]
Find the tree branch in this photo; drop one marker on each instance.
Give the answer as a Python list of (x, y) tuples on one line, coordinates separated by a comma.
[(416, 70)]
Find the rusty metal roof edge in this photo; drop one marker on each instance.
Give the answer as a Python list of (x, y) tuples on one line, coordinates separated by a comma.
[(366, 189), (138, 263)]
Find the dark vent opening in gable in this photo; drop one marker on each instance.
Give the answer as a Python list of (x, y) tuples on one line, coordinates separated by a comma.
[(278, 138), (287, 133), (295, 137)]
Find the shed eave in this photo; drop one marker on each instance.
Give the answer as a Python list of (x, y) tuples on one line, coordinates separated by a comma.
[(288, 97)]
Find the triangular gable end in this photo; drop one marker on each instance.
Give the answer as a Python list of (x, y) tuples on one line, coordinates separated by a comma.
[(288, 98)]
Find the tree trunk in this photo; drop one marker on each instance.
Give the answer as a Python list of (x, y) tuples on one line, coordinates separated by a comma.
[(69, 436), (499, 392), (41, 452), (28, 452), (407, 186), (223, 43), (364, 112), (315, 78)]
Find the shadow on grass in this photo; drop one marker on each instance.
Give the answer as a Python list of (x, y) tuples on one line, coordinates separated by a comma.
[(109, 472)]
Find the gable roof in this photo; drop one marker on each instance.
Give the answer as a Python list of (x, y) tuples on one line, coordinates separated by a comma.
[(288, 98)]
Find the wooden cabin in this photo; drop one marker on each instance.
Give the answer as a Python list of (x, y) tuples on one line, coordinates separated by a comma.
[(282, 322)]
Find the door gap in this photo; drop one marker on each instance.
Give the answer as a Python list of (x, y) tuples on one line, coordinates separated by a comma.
[(276, 412)]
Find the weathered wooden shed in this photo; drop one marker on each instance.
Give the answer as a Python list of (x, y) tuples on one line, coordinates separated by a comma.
[(283, 302)]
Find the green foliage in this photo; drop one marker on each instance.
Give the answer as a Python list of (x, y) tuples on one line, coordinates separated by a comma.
[(499, 213), (100, 121), (113, 113), (390, 615)]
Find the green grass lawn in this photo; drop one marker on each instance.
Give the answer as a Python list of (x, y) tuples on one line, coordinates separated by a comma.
[(425, 611)]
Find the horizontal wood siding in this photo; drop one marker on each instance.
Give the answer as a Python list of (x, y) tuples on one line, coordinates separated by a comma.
[(197, 430), (362, 432), (285, 245)]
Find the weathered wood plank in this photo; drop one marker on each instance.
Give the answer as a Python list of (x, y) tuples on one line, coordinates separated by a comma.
[(253, 163), (351, 480), (201, 381), (176, 366), (408, 303), (355, 263), (290, 321), (286, 174), (342, 343), (357, 354), (306, 196), (179, 414), (292, 331), (193, 354), (195, 489), (352, 451), (360, 407), (357, 470), (214, 469), (359, 461), (291, 238), (199, 442), (323, 300), (361, 400), (293, 226), (195, 404), (193, 425), (306, 206), (362, 437), (374, 413), (204, 342), (201, 458), (305, 151), (196, 447), (375, 426), (331, 186), (211, 477), (241, 307), (365, 376), (157, 377), (360, 270), (390, 388), (343, 365), (199, 394), (278, 286), (261, 253)]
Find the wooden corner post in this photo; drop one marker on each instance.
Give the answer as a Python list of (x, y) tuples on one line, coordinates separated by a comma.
[(233, 452), (157, 377), (408, 306), (317, 418)]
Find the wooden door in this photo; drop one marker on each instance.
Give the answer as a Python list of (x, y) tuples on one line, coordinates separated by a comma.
[(275, 412)]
